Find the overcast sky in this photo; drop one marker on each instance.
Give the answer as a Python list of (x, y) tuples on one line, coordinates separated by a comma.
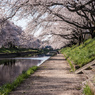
[(22, 22)]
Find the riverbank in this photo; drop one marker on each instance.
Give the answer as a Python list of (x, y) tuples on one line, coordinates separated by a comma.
[(23, 52), (53, 77), (11, 55), (14, 52)]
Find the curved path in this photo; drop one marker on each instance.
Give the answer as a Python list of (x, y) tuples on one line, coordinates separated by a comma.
[(52, 78)]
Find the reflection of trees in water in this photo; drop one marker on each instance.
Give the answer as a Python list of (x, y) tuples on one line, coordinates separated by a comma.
[(23, 66), (7, 61), (10, 62), (8, 71), (12, 68)]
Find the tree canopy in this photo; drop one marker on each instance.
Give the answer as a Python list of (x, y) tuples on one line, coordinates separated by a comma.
[(45, 13)]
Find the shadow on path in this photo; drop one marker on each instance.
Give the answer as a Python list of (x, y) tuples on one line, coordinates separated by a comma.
[(51, 78)]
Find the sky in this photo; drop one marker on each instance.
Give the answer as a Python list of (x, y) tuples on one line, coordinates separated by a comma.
[(22, 22)]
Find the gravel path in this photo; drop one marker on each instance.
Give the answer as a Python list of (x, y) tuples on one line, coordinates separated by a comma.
[(52, 78)]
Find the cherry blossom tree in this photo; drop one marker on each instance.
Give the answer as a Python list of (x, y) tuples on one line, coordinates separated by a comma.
[(45, 13)]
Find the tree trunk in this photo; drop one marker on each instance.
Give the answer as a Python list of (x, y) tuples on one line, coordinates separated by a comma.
[(93, 34)]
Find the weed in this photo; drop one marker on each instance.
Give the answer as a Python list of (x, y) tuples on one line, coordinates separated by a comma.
[(87, 90), (71, 65)]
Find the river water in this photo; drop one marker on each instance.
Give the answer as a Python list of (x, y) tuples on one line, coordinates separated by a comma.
[(10, 68)]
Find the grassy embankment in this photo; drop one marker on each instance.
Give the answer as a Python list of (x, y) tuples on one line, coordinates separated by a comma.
[(78, 56), (5, 89), (15, 50)]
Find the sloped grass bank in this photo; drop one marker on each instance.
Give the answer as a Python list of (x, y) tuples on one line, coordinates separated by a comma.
[(5, 89), (80, 55)]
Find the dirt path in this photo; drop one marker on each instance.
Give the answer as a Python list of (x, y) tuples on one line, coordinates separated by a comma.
[(52, 78)]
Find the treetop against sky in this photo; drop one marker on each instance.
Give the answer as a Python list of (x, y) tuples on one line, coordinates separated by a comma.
[(79, 13)]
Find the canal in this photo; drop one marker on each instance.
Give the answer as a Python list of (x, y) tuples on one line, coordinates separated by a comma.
[(11, 68)]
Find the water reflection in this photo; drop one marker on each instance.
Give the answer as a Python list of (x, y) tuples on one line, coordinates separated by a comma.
[(11, 68)]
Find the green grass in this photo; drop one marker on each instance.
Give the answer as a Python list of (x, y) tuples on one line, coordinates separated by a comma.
[(82, 54), (15, 50), (5, 89), (71, 65), (87, 90)]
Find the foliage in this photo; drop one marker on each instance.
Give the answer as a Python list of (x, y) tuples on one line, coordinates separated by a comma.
[(82, 54), (5, 89), (87, 90)]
